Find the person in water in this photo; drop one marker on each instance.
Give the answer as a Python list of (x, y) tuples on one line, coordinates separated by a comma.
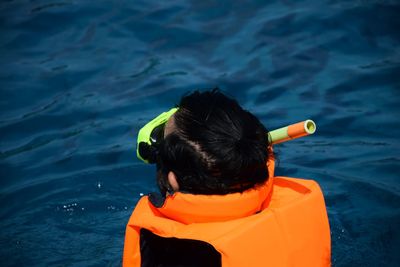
[(219, 202)]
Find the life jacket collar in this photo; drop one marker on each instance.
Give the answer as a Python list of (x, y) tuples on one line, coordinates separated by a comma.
[(189, 208)]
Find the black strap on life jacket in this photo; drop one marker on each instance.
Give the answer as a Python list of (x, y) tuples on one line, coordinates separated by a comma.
[(159, 251)]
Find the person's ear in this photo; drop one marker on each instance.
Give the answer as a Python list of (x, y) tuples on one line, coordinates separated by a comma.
[(173, 182)]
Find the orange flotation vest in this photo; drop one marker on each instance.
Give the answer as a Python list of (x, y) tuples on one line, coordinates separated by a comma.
[(281, 223)]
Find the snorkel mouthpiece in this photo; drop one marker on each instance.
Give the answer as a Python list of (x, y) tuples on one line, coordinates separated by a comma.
[(150, 136)]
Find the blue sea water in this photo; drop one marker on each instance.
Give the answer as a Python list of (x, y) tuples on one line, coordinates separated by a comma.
[(79, 78)]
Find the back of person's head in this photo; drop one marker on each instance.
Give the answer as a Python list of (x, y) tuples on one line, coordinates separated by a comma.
[(215, 146)]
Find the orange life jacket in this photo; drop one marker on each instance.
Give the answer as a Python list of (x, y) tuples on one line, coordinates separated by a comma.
[(281, 223)]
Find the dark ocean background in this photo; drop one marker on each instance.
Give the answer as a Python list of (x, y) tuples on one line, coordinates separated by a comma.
[(78, 79)]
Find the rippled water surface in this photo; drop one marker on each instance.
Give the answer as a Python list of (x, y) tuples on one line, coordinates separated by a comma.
[(79, 78)]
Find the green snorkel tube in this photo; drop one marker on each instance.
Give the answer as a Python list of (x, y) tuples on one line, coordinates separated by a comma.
[(153, 132), (292, 131)]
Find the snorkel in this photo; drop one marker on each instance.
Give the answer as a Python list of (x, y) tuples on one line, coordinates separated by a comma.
[(152, 133), (292, 131)]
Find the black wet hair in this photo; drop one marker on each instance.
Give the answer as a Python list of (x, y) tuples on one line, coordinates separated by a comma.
[(215, 147)]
